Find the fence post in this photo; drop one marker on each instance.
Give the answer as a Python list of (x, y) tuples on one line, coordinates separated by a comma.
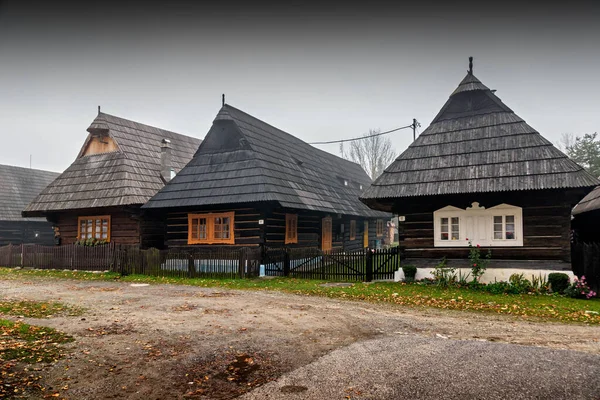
[(369, 265), (323, 265), (286, 262), (243, 257), (22, 255), (191, 267)]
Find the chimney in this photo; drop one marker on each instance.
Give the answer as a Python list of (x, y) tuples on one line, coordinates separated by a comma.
[(165, 160)]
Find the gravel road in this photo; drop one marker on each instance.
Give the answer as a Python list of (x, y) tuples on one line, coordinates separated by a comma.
[(173, 342)]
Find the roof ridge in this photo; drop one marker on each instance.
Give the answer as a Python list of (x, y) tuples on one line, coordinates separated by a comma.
[(142, 124), (29, 168)]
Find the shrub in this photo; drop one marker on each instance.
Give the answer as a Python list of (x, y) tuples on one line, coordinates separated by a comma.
[(520, 284), (558, 281), (579, 289), (499, 287), (478, 263), (410, 271), (443, 275), (539, 283)]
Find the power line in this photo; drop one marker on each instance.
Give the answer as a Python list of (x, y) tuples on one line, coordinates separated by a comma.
[(364, 137)]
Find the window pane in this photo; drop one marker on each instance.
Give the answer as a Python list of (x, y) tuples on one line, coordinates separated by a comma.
[(510, 219), (455, 228), (201, 228), (497, 219), (194, 228)]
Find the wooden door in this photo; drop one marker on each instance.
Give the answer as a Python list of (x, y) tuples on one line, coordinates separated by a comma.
[(326, 234), (366, 235)]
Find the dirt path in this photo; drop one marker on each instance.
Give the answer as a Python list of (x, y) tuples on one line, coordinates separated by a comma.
[(166, 341)]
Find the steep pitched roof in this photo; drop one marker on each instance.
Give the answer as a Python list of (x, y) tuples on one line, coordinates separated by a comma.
[(18, 186), (128, 175), (590, 202), (477, 144), (243, 159)]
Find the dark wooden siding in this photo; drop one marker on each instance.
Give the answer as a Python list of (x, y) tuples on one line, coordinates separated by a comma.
[(124, 224), (246, 230), (17, 232), (546, 226)]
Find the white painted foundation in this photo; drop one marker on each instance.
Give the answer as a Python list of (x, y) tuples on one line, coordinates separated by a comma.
[(491, 275)]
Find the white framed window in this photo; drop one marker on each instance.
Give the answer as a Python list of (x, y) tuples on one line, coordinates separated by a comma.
[(501, 225)]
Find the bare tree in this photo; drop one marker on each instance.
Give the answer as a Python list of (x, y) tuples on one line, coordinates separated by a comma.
[(567, 140), (374, 153)]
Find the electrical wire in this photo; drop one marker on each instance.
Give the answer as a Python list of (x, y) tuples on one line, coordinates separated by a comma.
[(364, 137)]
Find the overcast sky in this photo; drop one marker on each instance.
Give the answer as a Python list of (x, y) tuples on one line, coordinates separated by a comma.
[(318, 73)]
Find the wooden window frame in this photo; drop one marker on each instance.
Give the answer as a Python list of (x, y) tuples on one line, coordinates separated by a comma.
[(291, 228), (210, 228), (93, 218), (326, 236), (353, 229), (379, 228)]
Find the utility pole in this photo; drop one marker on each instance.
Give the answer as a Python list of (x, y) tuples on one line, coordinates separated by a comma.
[(414, 127)]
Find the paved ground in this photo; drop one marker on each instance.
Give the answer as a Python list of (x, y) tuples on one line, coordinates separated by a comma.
[(411, 367), (174, 342)]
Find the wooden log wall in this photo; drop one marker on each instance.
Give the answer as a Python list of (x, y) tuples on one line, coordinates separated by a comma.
[(17, 232), (246, 230), (124, 224), (309, 229), (546, 227)]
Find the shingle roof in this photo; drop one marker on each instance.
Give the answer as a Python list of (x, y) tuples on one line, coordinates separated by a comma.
[(590, 202), (243, 159), (18, 186), (477, 144), (128, 176)]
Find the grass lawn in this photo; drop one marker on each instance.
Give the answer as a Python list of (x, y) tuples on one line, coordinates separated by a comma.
[(526, 306), (36, 309)]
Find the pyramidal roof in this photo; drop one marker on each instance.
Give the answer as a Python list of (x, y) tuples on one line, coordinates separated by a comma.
[(243, 160), (477, 144), (127, 175)]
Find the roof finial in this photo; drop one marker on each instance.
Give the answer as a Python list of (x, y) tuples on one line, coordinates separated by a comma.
[(223, 99), (470, 65), (98, 109)]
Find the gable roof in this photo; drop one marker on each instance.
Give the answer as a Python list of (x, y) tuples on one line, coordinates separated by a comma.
[(243, 159), (18, 186), (477, 144), (129, 175), (590, 202)]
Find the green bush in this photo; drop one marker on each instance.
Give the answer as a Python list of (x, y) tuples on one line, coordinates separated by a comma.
[(443, 275), (410, 271), (520, 284), (558, 281), (499, 287)]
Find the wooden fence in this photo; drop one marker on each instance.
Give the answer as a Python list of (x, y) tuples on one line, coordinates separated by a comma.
[(312, 263), (210, 262), (181, 262), (585, 260)]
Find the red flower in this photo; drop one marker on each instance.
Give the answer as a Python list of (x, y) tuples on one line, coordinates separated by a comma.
[(474, 265), (478, 246), (467, 239)]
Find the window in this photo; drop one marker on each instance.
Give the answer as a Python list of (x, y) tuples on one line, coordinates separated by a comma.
[(94, 227), (326, 234), (366, 235), (379, 228), (504, 227), (353, 230), (450, 228), (291, 228), (210, 228), (501, 225)]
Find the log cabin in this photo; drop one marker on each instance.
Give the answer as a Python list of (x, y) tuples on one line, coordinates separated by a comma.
[(121, 165), (19, 186), (586, 218), (480, 174), (251, 184)]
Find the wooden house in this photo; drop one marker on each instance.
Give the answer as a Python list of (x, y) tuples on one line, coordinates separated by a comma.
[(18, 186), (121, 165), (586, 218), (480, 173), (252, 184)]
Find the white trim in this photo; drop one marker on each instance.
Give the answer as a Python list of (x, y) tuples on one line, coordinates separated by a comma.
[(477, 224)]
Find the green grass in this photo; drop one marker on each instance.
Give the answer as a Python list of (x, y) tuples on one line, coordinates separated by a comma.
[(37, 309), (552, 308), (29, 343)]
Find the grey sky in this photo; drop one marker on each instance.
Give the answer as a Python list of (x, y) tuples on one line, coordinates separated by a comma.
[(323, 75)]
